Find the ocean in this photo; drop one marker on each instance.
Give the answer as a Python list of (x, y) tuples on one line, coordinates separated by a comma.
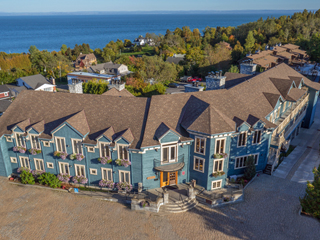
[(18, 33)]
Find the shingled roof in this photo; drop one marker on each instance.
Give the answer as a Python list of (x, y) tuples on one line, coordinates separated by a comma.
[(116, 92)]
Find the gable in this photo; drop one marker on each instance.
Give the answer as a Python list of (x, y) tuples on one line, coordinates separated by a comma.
[(104, 139), (66, 130), (32, 131), (170, 136), (17, 129), (259, 125), (243, 127)]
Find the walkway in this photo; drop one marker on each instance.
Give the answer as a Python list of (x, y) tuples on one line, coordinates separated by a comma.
[(299, 164)]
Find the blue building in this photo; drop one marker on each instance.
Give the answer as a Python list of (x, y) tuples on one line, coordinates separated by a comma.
[(168, 139)]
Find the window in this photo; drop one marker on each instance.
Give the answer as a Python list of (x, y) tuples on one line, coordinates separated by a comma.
[(64, 167), (104, 150), (6, 94), (256, 137), (76, 146), (20, 140), (242, 139), (80, 170), (35, 143), (271, 117), (39, 165), (220, 145), (241, 162), (106, 173), (278, 112), (93, 171), (122, 152), (50, 165), (216, 184), (198, 164), (284, 106), (90, 149), (124, 176), (46, 143), (169, 153), (24, 162), (13, 160), (200, 145), (218, 165), (61, 144), (9, 139)]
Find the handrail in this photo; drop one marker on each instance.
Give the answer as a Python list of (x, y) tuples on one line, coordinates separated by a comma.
[(158, 163)]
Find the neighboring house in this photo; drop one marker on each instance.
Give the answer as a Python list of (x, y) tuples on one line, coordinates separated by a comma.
[(141, 41), (169, 139), (110, 68), (36, 82), (85, 61), (115, 92), (86, 76), (5, 98), (176, 58), (15, 90)]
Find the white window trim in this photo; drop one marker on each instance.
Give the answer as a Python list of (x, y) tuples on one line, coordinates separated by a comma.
[(17, 139), (64, 163), (6, 94), (235, 161), (120, 171), (105, 143), (124, 145), (216, 187), (30, 138), (46, 142), (9, 139), (216, 160), (20, 157), (245, 141), (35, 165), (13, 159), (254, 135), (73, 147), (194, 164), (49, 164), (107, 169), (169, 144), (88, 149), (60, 141), (195, 145), (76, 171), (93, 171), (215, 144)]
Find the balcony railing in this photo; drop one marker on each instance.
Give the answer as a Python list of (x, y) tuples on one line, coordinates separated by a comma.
[(158, 163)]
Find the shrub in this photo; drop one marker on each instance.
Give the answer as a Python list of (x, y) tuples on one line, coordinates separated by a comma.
[(34, 151), (77, 156), (27, 178), (218, 174), (250, 170), (62, 155), (104, 160), (220, 155), (64, 177), (49, 179), (123, 162), (21, 169), (37, 173), (106, 183), (21, 149), (311, 201), (80, 179), (124, 186)]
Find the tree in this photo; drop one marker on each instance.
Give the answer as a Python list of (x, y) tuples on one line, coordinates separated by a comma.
[(250, 170), (233, 69), (250, 40), (127, 43), (63, 49), (314, 47), (237, 52)]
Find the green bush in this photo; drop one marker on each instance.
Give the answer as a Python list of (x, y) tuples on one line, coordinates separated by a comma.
[(250, 170), (311, 201), (27, 178), (49, 179)]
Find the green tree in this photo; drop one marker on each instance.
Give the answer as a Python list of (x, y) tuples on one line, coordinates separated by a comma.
[(250, 40), (63, 49), (127, 43), (237, 52), (250, 170), (314, 47), (233, 69)]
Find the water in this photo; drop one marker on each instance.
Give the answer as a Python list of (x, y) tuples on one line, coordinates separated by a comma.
[(18, 33)]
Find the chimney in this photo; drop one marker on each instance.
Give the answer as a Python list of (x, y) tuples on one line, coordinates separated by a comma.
[(53, 81), (81, 53), (220, 73)]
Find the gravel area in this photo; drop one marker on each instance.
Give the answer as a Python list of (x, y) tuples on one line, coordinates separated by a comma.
[(270, 211)]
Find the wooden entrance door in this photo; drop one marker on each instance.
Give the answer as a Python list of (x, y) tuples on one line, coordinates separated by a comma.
[(168, 178), (172, 178)]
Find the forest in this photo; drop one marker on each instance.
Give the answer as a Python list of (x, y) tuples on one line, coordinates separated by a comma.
[(204, 51)]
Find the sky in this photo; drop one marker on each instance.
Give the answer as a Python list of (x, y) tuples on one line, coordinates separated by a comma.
[(16, 6)]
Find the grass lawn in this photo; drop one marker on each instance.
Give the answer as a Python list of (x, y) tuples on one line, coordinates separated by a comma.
[(145, 50)]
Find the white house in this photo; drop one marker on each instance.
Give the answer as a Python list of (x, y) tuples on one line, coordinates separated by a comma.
[(36, 82)]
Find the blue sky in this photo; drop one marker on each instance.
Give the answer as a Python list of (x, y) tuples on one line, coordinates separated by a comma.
[(151, 5)]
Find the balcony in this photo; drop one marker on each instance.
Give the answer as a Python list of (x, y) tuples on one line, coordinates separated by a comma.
[(169, 166)]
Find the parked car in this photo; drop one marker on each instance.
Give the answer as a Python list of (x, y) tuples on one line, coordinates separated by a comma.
[(173, 85), (185, 79), (192, 80)]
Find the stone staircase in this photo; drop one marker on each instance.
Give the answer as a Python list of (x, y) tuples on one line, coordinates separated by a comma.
[(179, 206), (268, 169)]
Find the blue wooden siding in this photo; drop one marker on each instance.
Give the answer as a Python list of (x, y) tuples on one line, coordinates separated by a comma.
[(169, 137)]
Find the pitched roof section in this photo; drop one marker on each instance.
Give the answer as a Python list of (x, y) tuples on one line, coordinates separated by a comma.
[(24, 124), (126, 134), (233, 79), (295, 94), (79, 122), (108, 133), (116, 92), (163, 129), (272, 98), (34, 80), (297, 80), (283, 85), (39, 126)]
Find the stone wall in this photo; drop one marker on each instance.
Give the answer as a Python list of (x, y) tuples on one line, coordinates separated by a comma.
[(214, 83), (248, 68), (75, 88)]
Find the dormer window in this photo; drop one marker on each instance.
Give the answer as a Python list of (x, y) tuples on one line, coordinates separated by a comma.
[(242, 139), (169, 153), (256, 137), (20, 140), (61, 144), (104, 150), (123, 152), (35, 143), (77, 146)]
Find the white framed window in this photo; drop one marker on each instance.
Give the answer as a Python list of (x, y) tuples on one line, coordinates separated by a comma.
[(124, 176), (168, 153), (38, 163), (256, 137), (241, 162), (284, 106), (8, 138), (24, 162), (218, 165), (93, 171), (104, 150), (216, 184), (50, 165), (278, 112), (20, 140), (198, 164), (220, 145), (35, 143), (242, 139), (123, 152), (13, 159), (90, 149), (64, 167), (61, 144), (80, 170), (76, 145), (271, 118), (106, 173), (200, 145), (6, 94), (46, 143)]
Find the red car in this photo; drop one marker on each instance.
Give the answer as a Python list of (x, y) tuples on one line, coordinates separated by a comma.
[(192, 80)]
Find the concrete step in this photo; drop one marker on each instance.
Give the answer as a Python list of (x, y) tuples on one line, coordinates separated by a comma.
[(180, 209), (174, 203)]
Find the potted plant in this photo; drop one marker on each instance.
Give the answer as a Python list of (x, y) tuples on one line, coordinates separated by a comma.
[(220, 155), (106, 183), (62, 155), (21, 149), (34, 151), (21, 169), (218, 174), (123, 162), (124, 186), (144, 204), (37, 173), (104, 160), (80, 179), (64, 177), (77, 156)]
